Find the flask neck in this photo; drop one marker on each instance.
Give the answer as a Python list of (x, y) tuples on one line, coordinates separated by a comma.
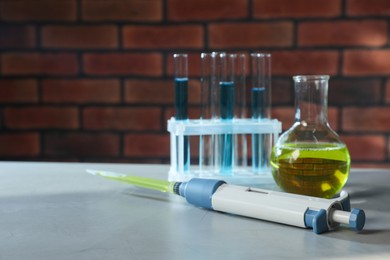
[(311, 100)]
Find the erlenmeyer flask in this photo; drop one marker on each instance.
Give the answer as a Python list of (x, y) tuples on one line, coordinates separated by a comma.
[(310, 158)]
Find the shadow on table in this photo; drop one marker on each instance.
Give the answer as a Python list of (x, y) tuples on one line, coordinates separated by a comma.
[(150, 194)]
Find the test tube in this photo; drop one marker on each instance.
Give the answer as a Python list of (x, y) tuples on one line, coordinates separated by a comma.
[(181, 108), (208, 146), (240, 144), (226, 108), (260, 107)]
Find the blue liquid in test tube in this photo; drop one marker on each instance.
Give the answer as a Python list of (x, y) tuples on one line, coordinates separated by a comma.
[(181, 98), (181, 113), (259, 157), (227, 112)]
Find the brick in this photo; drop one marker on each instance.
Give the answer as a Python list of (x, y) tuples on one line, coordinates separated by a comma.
[(41, 117), (19, 144), (143, 64), (42, 10), (282, 92), (18, 91), (80, 37), (149, 91), (81, 91), (387, 98), (365, 147), (366, 62), (388, 148), (366, 119), (139, 119), (81, 145), (39, 64), (333, 118), (146, 145), (123, 10), (200, 10), (250, 35), (194, 92), (296, 9), (351, 91), (17, 36), (287, 116), (364, 8), (157, 91), (345, 33), (290, 63), (163, 37)]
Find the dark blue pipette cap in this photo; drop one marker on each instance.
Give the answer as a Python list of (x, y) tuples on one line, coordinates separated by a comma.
[(357, 219)]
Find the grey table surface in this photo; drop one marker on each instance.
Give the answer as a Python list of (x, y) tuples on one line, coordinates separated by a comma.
[(57, 211)]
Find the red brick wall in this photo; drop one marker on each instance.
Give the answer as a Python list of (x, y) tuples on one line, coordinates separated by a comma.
[(90, 80)]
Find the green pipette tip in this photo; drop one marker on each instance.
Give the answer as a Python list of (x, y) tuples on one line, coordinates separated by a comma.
[(149, 183)]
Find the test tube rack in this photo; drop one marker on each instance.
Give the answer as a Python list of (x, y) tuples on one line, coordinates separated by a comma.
[(178, 129)]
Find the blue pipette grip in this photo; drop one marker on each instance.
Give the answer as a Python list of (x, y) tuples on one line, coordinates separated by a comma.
[(199, 192), (317, 220)]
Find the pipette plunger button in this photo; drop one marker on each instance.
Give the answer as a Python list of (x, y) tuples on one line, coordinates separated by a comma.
[(357, 219)]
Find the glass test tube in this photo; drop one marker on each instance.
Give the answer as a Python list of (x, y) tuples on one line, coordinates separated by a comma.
[(208, 146), (181, 108), (260, 107), (240, 144), (226, 108)]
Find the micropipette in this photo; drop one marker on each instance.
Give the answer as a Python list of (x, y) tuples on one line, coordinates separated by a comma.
[(292, 209)]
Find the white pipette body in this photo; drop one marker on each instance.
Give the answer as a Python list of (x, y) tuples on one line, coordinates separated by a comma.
[(291, 209)]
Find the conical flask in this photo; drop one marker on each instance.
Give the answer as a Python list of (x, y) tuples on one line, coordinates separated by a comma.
[(309, 158)]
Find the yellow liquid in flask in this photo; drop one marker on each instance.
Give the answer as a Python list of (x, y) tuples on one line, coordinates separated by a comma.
[(319, 170)]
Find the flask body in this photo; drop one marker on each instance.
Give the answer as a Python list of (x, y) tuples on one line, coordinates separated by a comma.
[(310, 158)]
